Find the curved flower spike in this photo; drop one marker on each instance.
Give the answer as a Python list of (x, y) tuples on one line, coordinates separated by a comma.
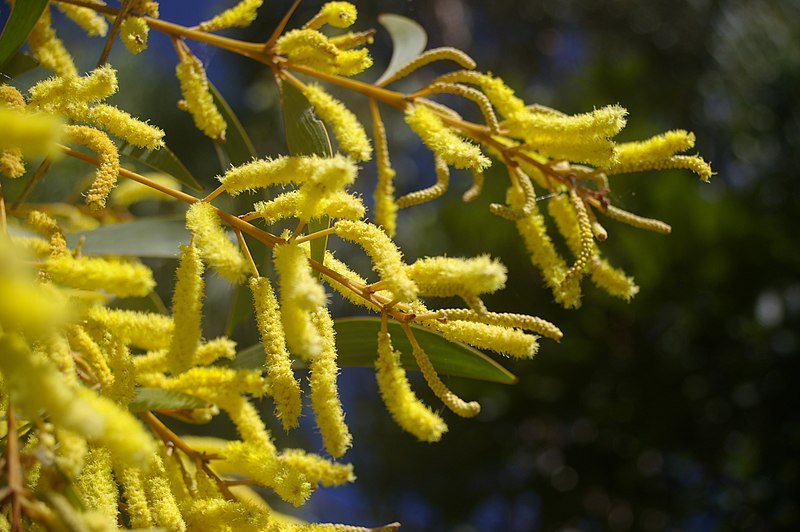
[(214, 245), (346, 128), (451, 276), (106, 175), (430, 56), (197, 97), (242, 15), (335, 14), (430, 193), (187, 305)]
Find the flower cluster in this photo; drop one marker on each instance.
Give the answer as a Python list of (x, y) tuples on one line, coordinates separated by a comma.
[(76, 370)]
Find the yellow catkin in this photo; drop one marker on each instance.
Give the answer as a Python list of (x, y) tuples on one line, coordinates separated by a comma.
[(96, 485), (430, 193), (214, 245), (451, 400), (349, 276), (472, 94), (317, 469), (106, 175), (500, 339), (329, 178), (197, 97), (161, 501), (385, 206), (335, 14), (658, 147), (70, 452), (133, 489), (133, 33), (444, 142), (500, 95), (45, 225), (285, 388), (581, 241), (145, 330), (48, 48), (346, 128), (386, 257), (612, 280), (525, 187), (641, 222), (324, 394), (92, 22), (30, 133), (121, 365), (90, 352), (401, 402), (519, 321), (452, 276), (121, 124), (206, 354), (125, 279), (286, 205), (430, 56), (12, 164), (695, 163), (263, 173), (59, 92), (241, 15), (300, 295), (187, 307)]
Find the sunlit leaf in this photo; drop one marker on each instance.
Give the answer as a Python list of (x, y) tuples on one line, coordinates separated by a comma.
[(159, 399), (162, 160), (408, 40), (237, 148), (17, 65), (357, 345), (151, 237), (306, 135), (23, 16)]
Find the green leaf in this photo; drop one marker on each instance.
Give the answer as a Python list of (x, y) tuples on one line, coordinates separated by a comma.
[(161, 160), (19, 63), (306, 135), (23, 16), (159, 399), (408, 39), (237, 148), (150, 237), (357, 345)]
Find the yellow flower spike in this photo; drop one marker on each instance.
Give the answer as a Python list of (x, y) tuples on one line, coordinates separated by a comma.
[(401, 402), (241, 15), (30, 307), (501, 96), (285, 388), (206, 354), (133, 489), (657, 147), (324, 395), (433, 191), (89, 20), (352, 39), (534, 233), (70, 452), (43, 224), (526, 188), (386, 257), (59, 91), (129, 192), (145, 330), (263, 466), (430, 56), (504, 319), (90, 352), (48, 49), (585, 246), (352, 62), (30, 133), (695, 163), (318, 470), (187, 307), (263, 173), (208, 381), (214, 245), (96, 485), (337, 205), (306, 44), (220, 515), (121, 124), (11, 163), (246, 418), (612, 280), (106, 175), (124, 279), (161, 501), (197, 97), (444, 142), (649, 224), (450, 400), (346, 128), (472, 94), (329, 177), (335, 14), (301, 294), (498, 338), (121, 365), (133, 33), (383, 196), (451, 276)]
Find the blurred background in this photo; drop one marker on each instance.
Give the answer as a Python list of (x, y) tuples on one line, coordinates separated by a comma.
[(672, 412)]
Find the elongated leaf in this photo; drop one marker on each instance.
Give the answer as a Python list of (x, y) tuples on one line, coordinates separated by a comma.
[(19, 63), (23, 16), (159, 399), (357, 345), (408, 39), (237, 148), (306, 135), (151, 237), (162, 160)]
